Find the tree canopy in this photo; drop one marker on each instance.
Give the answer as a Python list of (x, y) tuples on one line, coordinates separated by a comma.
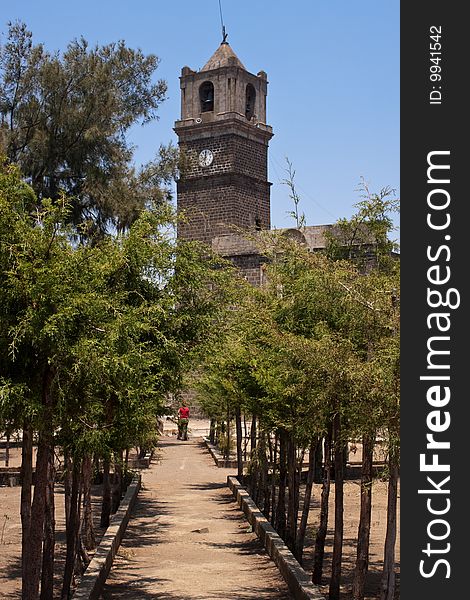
[(93, 338), (64, 119)]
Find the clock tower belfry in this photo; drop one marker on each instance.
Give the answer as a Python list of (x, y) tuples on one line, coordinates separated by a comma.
[(223, 139)]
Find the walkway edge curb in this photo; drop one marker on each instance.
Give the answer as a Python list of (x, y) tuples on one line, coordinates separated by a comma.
[(94, 578), (219, 460), (298, 581)]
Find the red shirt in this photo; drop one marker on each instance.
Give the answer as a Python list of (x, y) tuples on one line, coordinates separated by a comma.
[(183, 412)]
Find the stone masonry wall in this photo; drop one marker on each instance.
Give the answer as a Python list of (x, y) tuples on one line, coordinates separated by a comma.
[(251, 267), (218, 205), (232, 154)]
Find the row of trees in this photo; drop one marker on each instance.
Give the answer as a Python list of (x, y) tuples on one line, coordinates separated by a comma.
[(101, 312), (312, 359), (93, 338)]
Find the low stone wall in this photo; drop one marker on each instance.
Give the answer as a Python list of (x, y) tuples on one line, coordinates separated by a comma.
[(10, 476), (94, 578), (219, 460), (144, 463), (232, 463), (299, 582)]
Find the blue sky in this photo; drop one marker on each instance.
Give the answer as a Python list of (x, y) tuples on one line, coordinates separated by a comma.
[(333, 70)]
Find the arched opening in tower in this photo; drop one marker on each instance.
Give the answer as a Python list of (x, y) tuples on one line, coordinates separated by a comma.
[(206, 95), (250, 102)]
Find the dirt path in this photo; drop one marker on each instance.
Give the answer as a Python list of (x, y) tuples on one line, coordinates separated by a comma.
[(187, 538)]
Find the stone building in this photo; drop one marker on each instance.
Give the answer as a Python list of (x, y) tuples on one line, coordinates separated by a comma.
[(223, 137)]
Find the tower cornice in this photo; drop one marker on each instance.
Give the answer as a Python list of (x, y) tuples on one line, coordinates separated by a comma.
[(229, 124)]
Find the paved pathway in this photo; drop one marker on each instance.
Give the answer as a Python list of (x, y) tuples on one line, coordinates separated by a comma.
[(187, 539)]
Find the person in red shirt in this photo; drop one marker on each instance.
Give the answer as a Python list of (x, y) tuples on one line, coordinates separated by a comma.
[(183, 420)]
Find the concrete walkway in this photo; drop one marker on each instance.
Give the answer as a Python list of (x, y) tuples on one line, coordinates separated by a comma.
[(187, 539)]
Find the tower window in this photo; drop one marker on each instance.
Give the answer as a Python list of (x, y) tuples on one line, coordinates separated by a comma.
[(206, 95), (250, 101)]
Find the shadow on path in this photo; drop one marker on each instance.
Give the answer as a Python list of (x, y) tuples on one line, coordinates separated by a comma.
[(206, 486), (146, 527), (243, 592), (187, 538), (12, 571)]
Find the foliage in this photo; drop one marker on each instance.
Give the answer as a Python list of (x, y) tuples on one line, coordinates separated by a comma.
[(289, 181), (315, 350), (364, 237), (117, 322), (64, 118)]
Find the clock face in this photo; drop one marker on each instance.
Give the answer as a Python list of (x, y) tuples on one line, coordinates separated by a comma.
[(205, 158)]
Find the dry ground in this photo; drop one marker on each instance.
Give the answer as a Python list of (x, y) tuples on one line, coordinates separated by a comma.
[(187, 539), (351, 522), (10, 531)]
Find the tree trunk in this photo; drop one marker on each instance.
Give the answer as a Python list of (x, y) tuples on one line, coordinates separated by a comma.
[(255, 477), (106, 502), (264, 483), (212, 431), (300, 541), (26, 485), (238, 423), (291, 530), (79, 565), (281, 502), (229, 436), (323, 526), (47, 576), (339, 521), (71, 533), (318, 468), (245, 437), (7, 450), (84, 558), (36, 530), (297, 480), (253, 434), (33, 566), (96, 478), (363, 534), (387, 586), (273, 458), (67, 484), (88, 532), (117, 487), (123, 474)]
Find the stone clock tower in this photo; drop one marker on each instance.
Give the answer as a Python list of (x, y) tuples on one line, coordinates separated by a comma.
[(223, 138)]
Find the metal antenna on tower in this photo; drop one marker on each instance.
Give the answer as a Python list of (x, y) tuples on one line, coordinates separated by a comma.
[(224, 34)]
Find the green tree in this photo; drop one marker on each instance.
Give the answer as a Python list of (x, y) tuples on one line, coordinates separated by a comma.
[(365, 237), (315, 351), (64, 119), (93, 338)]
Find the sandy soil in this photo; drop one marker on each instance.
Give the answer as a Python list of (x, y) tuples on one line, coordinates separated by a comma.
[(188, 540), (165, 560), (351, 521), (10, 533), (10, 542)]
